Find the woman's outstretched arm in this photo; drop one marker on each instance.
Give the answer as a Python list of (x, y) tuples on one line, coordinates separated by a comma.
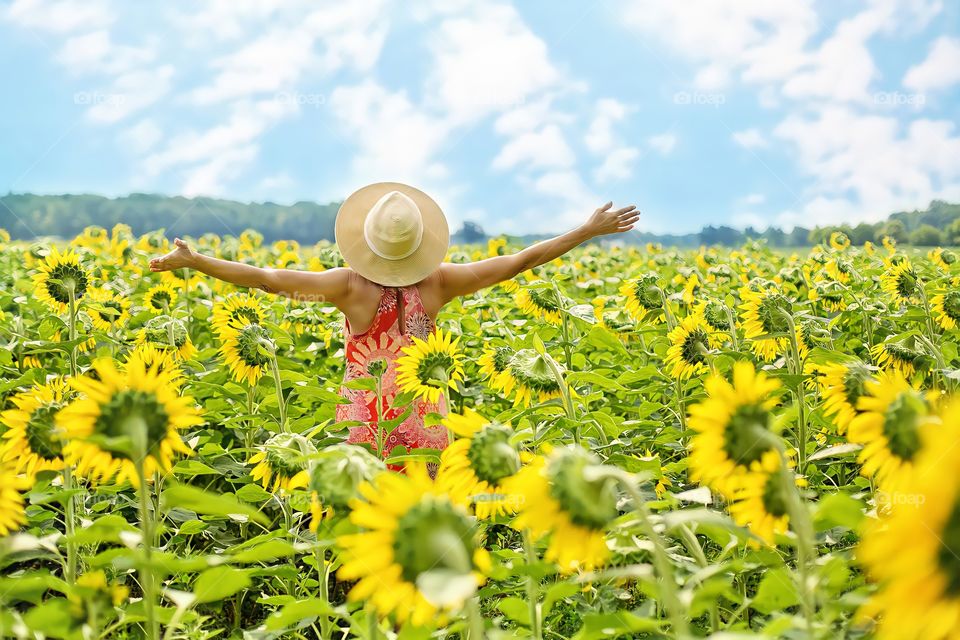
[(461, 279), (331, 286)]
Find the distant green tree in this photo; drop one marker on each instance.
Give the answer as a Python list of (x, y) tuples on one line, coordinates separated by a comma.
[(896, 229), (952, 234), (926, 236), (862, 233)]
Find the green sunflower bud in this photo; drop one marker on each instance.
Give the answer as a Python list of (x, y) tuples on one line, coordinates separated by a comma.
[(491, 455), (338, 471), (590, 501)]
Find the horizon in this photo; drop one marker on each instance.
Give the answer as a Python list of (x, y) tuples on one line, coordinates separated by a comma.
[(803, 113)]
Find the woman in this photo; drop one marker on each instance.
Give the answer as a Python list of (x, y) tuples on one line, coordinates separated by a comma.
[(394, 239)]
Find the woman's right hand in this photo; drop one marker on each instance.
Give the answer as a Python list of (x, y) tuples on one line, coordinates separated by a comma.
[(182, 257)]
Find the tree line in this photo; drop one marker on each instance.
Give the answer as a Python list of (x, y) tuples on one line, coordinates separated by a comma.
[(27, 216)]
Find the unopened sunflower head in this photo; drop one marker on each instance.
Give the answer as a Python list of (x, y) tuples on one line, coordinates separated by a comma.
[(565, 495), (60, 277), (124, 417), (282, 462), (169, 334), (244, 349), (416, 557), (335, 476), (32, 441), (429, 367), (479, 461), (735, 426)]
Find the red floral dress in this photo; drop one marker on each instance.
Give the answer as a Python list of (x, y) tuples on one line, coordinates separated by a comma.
[(400, 317)]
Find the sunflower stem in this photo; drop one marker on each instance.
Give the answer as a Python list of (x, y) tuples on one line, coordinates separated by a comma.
[(799, 395), (693, 545), (533, 588), (733, 328), (661, 561), (70, 524), (373, 625), (186, 297), (152, 630), (72, 330), (474, 619), (281, 404), (803, 527), (323, 576)]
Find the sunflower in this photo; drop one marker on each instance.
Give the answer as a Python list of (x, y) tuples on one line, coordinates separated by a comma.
[(169, 334), (759, 502), (177, 278), (689, 347), (416, 556), (893, 416), (911, 553), (237, 309), (479, 461), (943, 258), (532, 378), (31, 442), (900, 356), (560, 497), (160, 299), (59, 274), (160, 359), (843, 385), (494, 363), (11, 502), (946, 309), (281, 464), (241, 350), (539, 302), (839, 240), (108, 310), (120, 413), (764, 315), (643, 296), (715, 313), (901, 283), (839, 270), (830, 295), (336, 474), (430, 366), (889, 243), (733, 427)]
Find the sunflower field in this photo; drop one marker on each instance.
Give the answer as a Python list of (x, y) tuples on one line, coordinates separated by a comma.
[(646, 443)]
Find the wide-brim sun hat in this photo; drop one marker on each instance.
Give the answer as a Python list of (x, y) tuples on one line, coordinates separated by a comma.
[(392, 234)]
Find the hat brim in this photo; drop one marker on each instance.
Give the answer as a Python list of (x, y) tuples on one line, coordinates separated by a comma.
[(348, 231)]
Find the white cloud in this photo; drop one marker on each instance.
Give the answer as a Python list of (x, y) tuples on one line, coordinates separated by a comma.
[(94, 52), (59, 17), (753, 199), (617, 165), (663, 142), (129, 93), (940, 69), (750, 139), (866, 166), (142, 137), (487, 60), (537, 149)]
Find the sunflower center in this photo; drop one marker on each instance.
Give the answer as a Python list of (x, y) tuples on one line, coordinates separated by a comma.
[(125, 408), (901, 424), (644, 290), (951, 304), (160, 300), (695, 346), (62, 279), (491, 455), (590, 503), (771, 311), (745, 438), (41, 432), (434, 369), (774, 500), (248, 345), (433, 536), (947, 558), (533, 371)]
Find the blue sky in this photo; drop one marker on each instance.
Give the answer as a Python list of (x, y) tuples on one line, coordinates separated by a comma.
[(522, 116)]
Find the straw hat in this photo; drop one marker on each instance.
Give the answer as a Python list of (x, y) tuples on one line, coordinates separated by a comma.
[(392, 234)]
